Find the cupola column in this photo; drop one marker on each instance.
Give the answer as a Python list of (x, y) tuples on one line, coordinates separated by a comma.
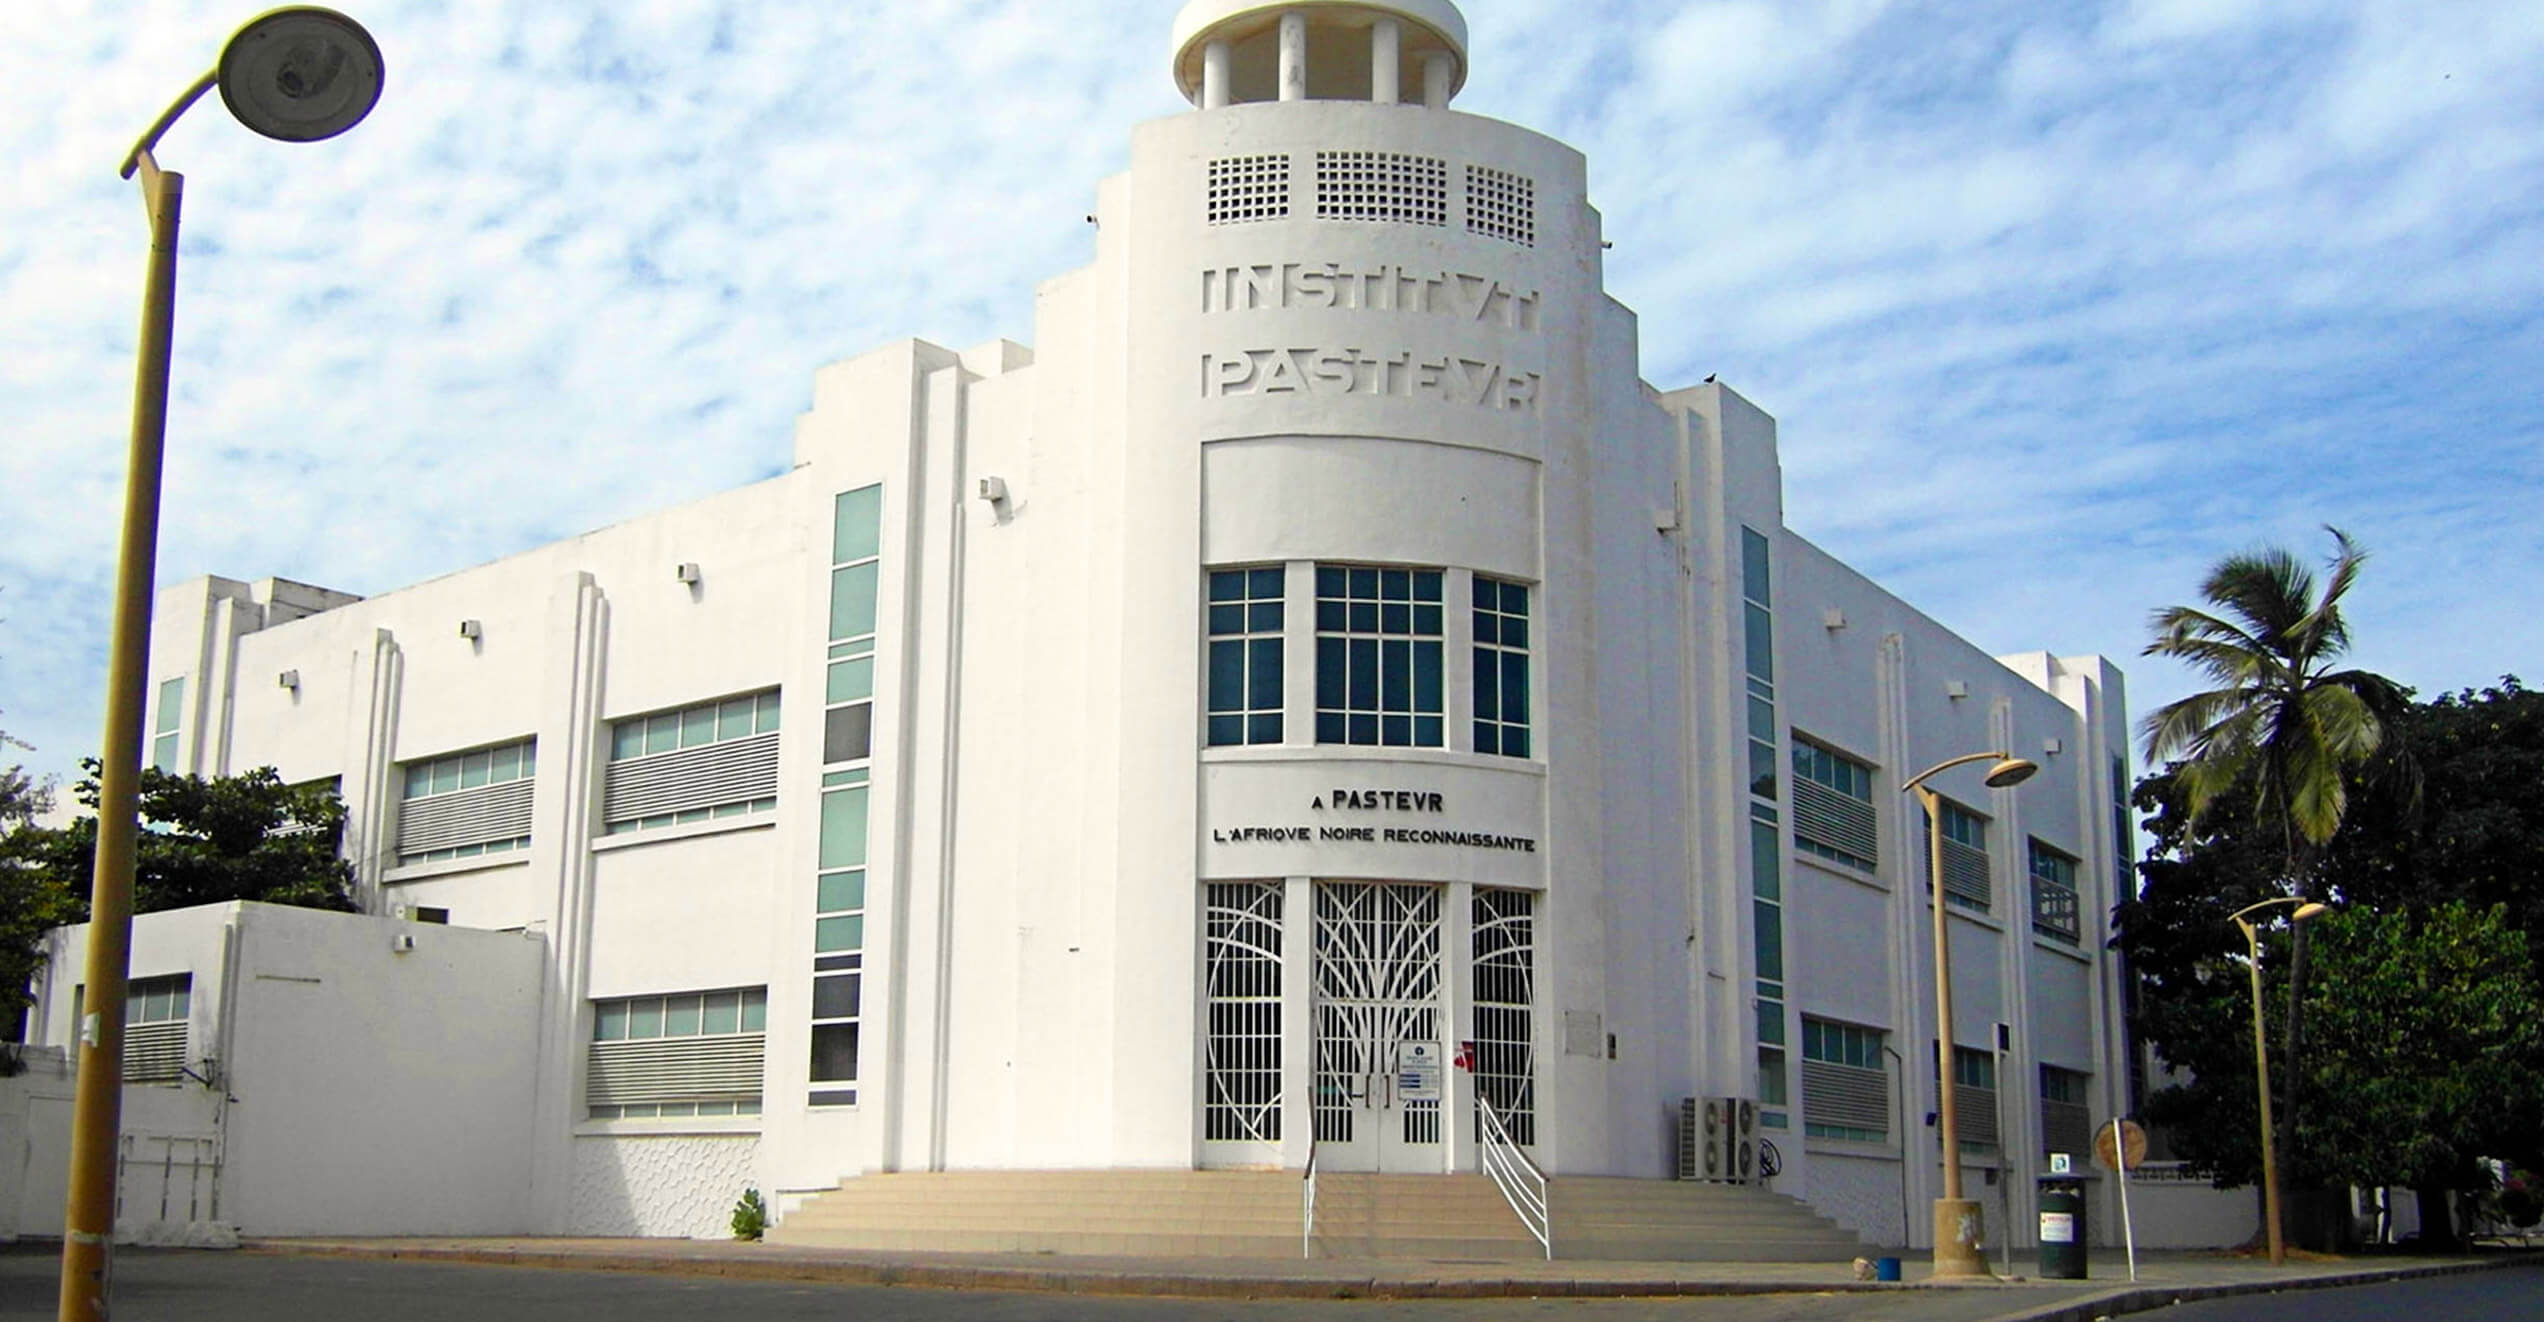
[(1293, 56), (1439, 79), (1386, 47), (1214, 75)]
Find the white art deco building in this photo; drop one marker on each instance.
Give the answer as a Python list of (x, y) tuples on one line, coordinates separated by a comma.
[(1316, 688)]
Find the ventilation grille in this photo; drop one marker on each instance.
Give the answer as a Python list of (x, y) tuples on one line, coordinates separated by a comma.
[(1965, 874), (1842, 822), (675, 1069), (1501, 205), (1834, 1094), (705, 776), (1976, 1109), (2067, 1127), (486, 815), (1382, 185), (154, 1053), (1244, 188)]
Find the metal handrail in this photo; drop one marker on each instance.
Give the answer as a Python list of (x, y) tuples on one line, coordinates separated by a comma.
[(1523, 1186), (1307, 1210)]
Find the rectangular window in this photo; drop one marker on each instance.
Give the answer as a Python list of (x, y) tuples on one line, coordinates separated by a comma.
[(2120, 827), (463, 805), (2055, 912), (1833, 814), (839, 939), (1378, 657), (2066, 1111), (693, 764), (1845, 1082), (1966, 877), (1501, 667), (1505, 1064), (1245, 629), (156, 1014), (1974, 1098), (163, 741), (680, 1054)]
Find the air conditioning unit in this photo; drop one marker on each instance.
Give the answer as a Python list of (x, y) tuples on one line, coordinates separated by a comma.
[(1718, 1139)]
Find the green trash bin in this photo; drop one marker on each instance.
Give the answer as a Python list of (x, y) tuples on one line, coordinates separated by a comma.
[(2062, 1228)]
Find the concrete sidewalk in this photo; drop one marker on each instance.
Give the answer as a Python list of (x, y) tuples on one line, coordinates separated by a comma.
[(2163, 1279)]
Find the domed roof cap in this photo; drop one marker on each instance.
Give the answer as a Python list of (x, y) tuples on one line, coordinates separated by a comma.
[(1435, 24)]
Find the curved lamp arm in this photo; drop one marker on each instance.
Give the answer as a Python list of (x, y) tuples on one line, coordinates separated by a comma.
[(139, 157)]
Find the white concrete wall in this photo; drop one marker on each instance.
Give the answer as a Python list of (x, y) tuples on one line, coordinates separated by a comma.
[(364, 1090)]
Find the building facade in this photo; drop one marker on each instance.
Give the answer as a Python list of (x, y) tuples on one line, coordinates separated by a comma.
[(1317, 689)]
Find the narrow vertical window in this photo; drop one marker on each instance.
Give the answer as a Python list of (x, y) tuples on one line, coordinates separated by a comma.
[(1501, 667), (1241, 981), (1245, 625), (163, 740)]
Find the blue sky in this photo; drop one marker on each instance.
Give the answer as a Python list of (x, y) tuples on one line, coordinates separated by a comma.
[(2054, 303)]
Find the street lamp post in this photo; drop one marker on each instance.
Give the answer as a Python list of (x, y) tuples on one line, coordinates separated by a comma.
[(299, 74), (1957, 1220), (2261, 1067)]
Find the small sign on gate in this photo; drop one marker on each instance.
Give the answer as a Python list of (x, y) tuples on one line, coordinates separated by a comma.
[(1418, 1071)]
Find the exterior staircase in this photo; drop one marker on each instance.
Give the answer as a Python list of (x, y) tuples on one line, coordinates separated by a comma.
[(1256, 1214)]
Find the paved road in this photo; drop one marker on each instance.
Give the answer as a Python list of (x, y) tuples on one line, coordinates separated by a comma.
[(176, 1286), (2512, 1295)]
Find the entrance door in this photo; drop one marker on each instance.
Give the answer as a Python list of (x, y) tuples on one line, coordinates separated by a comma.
[(1378, 1027)]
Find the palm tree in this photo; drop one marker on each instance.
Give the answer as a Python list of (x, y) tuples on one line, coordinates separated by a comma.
[(2281, 722)]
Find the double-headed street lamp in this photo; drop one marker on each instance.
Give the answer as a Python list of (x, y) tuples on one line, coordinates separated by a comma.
[(2261, 1065), (1957, 1225), (299, 74)]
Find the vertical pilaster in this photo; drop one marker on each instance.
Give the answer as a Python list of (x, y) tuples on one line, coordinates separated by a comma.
[(1293, 56), (1386, 59), (562, 806), (369, 788), (1457, 1023), (1298, 1021)]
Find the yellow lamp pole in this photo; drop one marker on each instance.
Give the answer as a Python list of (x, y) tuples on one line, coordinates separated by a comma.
[(299, 74), (2261, 1068), (1957, 1220)]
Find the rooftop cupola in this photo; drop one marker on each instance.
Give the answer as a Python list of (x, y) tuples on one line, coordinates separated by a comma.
[(1228, 52)]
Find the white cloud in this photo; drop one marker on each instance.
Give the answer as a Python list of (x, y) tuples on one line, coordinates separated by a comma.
[(2133, 284)]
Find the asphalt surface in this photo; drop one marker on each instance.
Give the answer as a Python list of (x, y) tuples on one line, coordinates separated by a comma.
[(195, 1286)]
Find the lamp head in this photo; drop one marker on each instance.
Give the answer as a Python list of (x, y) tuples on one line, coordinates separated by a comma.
[(300, 73), (2305, 911), (2011, 771)]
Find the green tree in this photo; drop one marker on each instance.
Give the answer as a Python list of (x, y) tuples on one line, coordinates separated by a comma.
[(2281, 729), (2428, 1051), (205, 841)]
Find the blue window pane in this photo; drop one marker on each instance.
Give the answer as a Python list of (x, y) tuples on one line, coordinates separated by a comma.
[(1753, 565), (1428, 731), (1395, 585), (1514, 632), (1487, 593), (1228, 585), (852, 602), (1265, 663), (1227, 619), (1263, 729), (1426, 619), (1264, 617), (1225, 730), (1330, 617), (1487, 737), (1761, 643), (1364, 675), (1364, 583), (1263, 583), (1330, 672), (1515, 599), (1395, 674), (1515, 687), (1395, 731), (856, 524), (1487, 689), (1395, 619), (1486, 629), (1329, 581), (1426, 677), (1329, 727), (1227, 675), (1515, 742), (1364, 617), (1364, 730)]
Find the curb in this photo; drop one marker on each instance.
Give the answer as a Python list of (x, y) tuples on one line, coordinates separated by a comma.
[(2145, 1298), (1143, 1282)]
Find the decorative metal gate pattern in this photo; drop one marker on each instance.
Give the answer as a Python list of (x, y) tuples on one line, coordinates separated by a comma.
[(1377, 986), (1241, 978), (1505, 985)]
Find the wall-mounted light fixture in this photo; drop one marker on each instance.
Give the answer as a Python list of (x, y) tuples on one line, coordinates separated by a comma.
[(289, 679), (686, 572), (1832, 618), (994, 490), (471, 630), (1955, 689)]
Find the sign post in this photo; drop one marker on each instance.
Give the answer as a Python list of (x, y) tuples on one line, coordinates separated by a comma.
[(2119, 1145)]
